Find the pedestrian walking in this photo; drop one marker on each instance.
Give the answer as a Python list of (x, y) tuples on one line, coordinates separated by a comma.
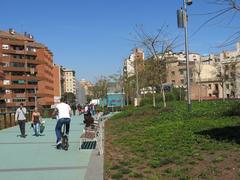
[(36, 122), (20, 117)]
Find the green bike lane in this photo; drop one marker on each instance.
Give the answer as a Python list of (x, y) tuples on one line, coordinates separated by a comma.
[(36, 158)]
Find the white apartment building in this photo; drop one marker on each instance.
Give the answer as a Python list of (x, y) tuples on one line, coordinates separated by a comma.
[(230, 63), (129, 63), (69, 81)]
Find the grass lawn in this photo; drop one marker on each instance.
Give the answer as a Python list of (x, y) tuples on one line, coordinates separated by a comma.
[(170, 143)]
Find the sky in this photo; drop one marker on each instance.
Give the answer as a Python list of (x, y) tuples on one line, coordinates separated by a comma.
[(93, 37)]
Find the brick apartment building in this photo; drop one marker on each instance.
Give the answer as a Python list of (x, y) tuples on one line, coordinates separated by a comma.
[(27, 66), (58, 76)]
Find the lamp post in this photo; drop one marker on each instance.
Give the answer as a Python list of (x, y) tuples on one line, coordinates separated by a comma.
[(35, 97), (183, 23)]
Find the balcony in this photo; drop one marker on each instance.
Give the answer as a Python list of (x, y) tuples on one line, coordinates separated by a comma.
[(21, 52), (20, 86), (19, 69), (23, 77), (15, 104), (28, 61), (17, 95)]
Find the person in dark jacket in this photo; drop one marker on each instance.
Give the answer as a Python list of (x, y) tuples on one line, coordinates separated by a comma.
[(88, 119)]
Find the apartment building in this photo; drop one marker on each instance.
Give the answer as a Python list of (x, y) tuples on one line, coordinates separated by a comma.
[(27, 66), (69, 80), (198, 72), (135, 62), (212, 76), (176, 68), (230, 67), (58, 79)]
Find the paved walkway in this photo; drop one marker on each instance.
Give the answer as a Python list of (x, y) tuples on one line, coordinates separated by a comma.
[(35, 158)]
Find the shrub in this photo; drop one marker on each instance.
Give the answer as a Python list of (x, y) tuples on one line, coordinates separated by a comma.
[(234, 110)]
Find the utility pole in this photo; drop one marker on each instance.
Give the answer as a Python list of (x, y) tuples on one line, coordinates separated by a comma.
[(183, 23), (35, 97), (137, 85)]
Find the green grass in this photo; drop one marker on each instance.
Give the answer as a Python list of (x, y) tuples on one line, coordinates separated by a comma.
[(156, 138)]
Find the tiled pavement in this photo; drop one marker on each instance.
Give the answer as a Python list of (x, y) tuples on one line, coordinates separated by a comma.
[(35, 158)]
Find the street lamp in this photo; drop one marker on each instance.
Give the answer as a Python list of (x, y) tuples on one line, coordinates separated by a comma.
[(182, 23)]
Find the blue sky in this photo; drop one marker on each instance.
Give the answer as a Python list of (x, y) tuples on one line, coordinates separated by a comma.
[(94, 36)]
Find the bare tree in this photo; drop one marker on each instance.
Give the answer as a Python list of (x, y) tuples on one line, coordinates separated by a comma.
[(229, 10), (99, 90), (227, 72), (198, 70), (157, 46)]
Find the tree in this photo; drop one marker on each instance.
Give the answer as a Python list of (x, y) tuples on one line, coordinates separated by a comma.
[(198, 70), (230, 10), (100, 88), (157, 47), (226, 72), (69, 97)]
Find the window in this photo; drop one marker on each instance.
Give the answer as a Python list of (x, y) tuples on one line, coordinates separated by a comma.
[(209, 86), (31, 49), (5, 64), (6, 82), (7, 91), (19, 100), (173, 81), (227, 86), (18, 82), (5, 55), (32, 82), (182, 81), (5, 46), (173, 72), (16, 64), (18, 48), (17, 56)]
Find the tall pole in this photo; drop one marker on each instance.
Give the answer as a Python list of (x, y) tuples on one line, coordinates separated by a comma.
[(35, 97), (137, 85), (187, 56)]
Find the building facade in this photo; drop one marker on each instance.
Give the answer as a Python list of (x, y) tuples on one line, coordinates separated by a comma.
[(134, 63), (27, 66), (69, 81), (58, 85)]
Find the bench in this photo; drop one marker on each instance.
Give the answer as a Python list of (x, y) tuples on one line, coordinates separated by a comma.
[(93, 135)]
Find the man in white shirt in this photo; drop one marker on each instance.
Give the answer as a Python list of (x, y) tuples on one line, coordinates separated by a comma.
[(63, 112), (20, 117)]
